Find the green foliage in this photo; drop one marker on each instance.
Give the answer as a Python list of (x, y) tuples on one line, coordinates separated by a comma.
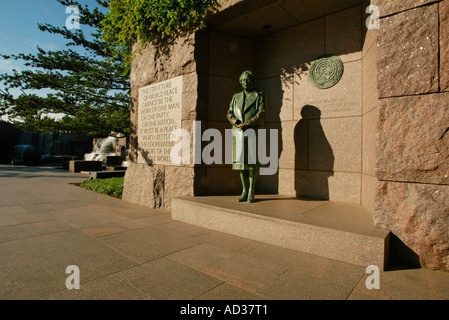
[(110, 186), (151, 21), (92, 92)]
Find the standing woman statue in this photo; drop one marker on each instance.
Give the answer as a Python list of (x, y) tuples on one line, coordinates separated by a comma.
[(246, 111)]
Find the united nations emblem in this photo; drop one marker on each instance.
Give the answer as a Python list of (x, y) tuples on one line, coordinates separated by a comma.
[(326, 72)]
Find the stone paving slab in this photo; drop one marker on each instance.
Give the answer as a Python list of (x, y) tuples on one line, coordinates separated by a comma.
[(412, 284), (247, 273), (165, 279), (129, 252), (110, 287), (226, 291), (294, 285), (33, 229), (34, 267)]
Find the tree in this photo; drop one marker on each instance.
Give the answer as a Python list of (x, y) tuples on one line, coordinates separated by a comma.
[(89, 85), (152, 21)]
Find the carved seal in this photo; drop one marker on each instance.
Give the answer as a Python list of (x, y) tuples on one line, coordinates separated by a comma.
[(326, 72)]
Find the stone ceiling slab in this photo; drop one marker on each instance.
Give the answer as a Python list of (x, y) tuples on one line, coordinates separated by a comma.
[(255, 23), (280, 14), (306, 10)]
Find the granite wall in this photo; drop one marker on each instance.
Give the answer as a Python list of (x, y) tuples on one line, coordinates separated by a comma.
[(413, 142)]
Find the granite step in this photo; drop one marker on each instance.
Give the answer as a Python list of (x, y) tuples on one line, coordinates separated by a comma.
[(106, 174), (336, 230), (115, 168)]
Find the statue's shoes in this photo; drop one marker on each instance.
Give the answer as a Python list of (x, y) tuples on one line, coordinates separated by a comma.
[(243, 197)]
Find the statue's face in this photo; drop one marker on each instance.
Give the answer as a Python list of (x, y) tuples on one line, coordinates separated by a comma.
[(247, 83)]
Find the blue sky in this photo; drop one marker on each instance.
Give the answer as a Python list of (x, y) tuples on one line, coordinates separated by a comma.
[(18, 27), (19, 32)]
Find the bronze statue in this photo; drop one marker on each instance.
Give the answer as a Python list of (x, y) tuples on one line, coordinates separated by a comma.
[(247, 110)]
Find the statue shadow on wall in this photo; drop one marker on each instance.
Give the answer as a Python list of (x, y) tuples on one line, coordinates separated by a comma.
[(314, 158)]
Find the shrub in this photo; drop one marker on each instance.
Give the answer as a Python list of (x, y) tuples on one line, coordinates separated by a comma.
[(110, 186)]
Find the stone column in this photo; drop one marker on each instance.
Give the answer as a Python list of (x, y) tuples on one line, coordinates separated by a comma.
[(413, 141), (149, 181)]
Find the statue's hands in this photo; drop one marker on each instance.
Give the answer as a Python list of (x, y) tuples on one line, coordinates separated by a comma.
[(240, 125), (244, 126)]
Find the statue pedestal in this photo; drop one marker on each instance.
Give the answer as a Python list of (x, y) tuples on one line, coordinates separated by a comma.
[(329, 229)]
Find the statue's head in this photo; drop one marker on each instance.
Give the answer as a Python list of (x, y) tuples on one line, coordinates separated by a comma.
[(247, 80)]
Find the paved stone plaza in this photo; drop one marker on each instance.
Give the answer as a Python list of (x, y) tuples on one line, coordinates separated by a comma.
[(126, 251)]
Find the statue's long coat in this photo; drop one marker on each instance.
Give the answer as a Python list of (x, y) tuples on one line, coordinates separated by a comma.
[(250, 111)]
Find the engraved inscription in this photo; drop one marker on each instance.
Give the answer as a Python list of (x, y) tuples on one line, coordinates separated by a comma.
[(160, 107), (335, 105)]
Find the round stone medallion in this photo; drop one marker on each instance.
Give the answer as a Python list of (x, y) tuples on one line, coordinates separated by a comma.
[(326, 72)]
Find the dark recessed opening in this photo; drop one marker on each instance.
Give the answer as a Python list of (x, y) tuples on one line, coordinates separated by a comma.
[(267, 26)]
